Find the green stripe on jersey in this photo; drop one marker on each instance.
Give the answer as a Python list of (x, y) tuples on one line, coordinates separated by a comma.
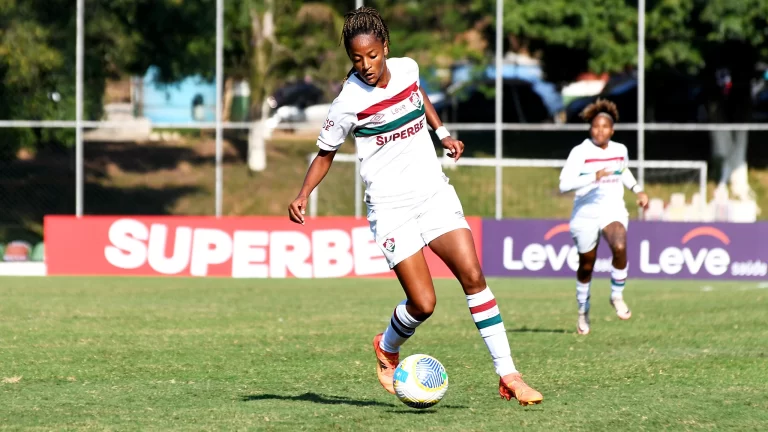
[(488, 322), (389, 127)]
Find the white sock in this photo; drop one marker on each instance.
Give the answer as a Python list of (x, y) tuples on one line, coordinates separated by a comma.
[(618, 279), (485, 314), (582, 296), (401, 327)]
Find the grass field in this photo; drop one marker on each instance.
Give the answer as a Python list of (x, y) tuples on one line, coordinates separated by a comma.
[(287, 355)]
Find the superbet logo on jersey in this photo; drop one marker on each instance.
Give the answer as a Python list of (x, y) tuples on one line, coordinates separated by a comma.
[(403, 133)]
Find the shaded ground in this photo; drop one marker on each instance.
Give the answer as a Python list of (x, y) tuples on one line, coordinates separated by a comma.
[(178, 177)]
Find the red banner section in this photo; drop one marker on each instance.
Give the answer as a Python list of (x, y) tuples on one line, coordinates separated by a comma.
[(244, 247)]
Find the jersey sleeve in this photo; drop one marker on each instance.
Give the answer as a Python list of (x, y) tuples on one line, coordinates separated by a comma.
[(411, 68), (627, 178), (571, 176), (416, 72), (336, 127)]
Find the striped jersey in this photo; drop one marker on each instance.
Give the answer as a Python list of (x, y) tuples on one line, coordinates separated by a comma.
[(594, 198), (398, 162)]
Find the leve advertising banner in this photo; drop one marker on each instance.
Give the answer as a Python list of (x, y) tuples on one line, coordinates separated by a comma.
[(655, 250)]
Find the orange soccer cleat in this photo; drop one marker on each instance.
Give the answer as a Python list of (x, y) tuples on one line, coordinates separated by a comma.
[(386, 365), (513, 386)]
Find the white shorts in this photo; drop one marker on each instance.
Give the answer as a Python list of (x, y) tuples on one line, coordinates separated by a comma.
[(586, 231), (400, 233)]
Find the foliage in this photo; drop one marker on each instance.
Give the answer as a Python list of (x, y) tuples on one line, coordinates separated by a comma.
[(273, 41)]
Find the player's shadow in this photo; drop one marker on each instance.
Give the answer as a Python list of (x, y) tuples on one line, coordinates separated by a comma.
[(340, 400), (537, 330), (430, 410), (315, 398)]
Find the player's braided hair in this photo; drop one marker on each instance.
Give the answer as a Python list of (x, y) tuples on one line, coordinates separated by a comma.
[(363, 21), (601, 106)]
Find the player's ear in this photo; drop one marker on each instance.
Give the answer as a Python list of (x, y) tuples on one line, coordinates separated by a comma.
[(386, 48)]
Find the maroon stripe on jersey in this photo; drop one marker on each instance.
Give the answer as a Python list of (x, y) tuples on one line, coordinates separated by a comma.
[(604, 160), (374, 109)]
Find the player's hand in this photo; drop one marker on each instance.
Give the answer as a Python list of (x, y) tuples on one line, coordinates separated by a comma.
[(297, 208), (642, 200), (454, 147), (602, 173)]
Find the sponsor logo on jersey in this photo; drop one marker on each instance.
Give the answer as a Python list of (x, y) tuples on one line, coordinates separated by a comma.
[(377, 119), (401, 134)]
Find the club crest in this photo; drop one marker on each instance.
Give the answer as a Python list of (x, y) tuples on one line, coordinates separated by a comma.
[(389, 245), (415, 99)]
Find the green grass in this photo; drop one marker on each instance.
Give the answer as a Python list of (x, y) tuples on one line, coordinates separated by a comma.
[(220, 354)]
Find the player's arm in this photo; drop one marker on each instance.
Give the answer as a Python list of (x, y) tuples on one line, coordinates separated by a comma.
[(332, 136), (628, 179), (454, 146), (315, 174), (433, 120), (573, 175)]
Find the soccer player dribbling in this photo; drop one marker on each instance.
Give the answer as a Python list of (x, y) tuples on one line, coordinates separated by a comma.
[(410, 202), (597, 169)]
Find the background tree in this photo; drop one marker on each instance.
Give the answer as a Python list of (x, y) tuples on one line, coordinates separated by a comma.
[(710, 45)]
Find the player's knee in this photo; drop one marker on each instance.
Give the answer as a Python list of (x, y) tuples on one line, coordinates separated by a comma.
[(424, 308), (586, 267), (620, 248), (473, 281)]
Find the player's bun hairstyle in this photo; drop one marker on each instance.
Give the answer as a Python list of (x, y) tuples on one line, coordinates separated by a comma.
[(601, 106), (363, 21)]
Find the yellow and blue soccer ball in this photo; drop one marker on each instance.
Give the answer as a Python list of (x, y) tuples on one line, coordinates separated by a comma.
[(420, 381)]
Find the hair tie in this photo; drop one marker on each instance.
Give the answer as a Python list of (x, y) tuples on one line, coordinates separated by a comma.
[(603, 113)]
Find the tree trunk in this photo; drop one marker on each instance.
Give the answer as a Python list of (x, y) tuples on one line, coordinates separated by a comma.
[(227, 109), (739, 172), (263, 31)]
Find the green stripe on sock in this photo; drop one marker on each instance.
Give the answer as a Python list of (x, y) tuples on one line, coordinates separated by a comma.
[(613, 282), (488, 322)]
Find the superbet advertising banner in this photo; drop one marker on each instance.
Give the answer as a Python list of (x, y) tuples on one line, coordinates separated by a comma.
[(655, 250), (244, 247)]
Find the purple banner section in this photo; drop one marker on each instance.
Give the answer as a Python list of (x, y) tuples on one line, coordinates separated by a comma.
[(668, 250)]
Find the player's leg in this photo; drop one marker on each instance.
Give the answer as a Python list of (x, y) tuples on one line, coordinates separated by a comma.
[(403, 250), (583, 284), (413, 274), (586, 236), (447, 233), (615, 234), (457, 250)]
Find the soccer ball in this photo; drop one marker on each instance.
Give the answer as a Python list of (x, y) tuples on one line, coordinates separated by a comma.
[(420, 381)]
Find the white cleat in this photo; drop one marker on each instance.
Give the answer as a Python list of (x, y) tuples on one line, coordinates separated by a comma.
[(582, 327), (622, 310)]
